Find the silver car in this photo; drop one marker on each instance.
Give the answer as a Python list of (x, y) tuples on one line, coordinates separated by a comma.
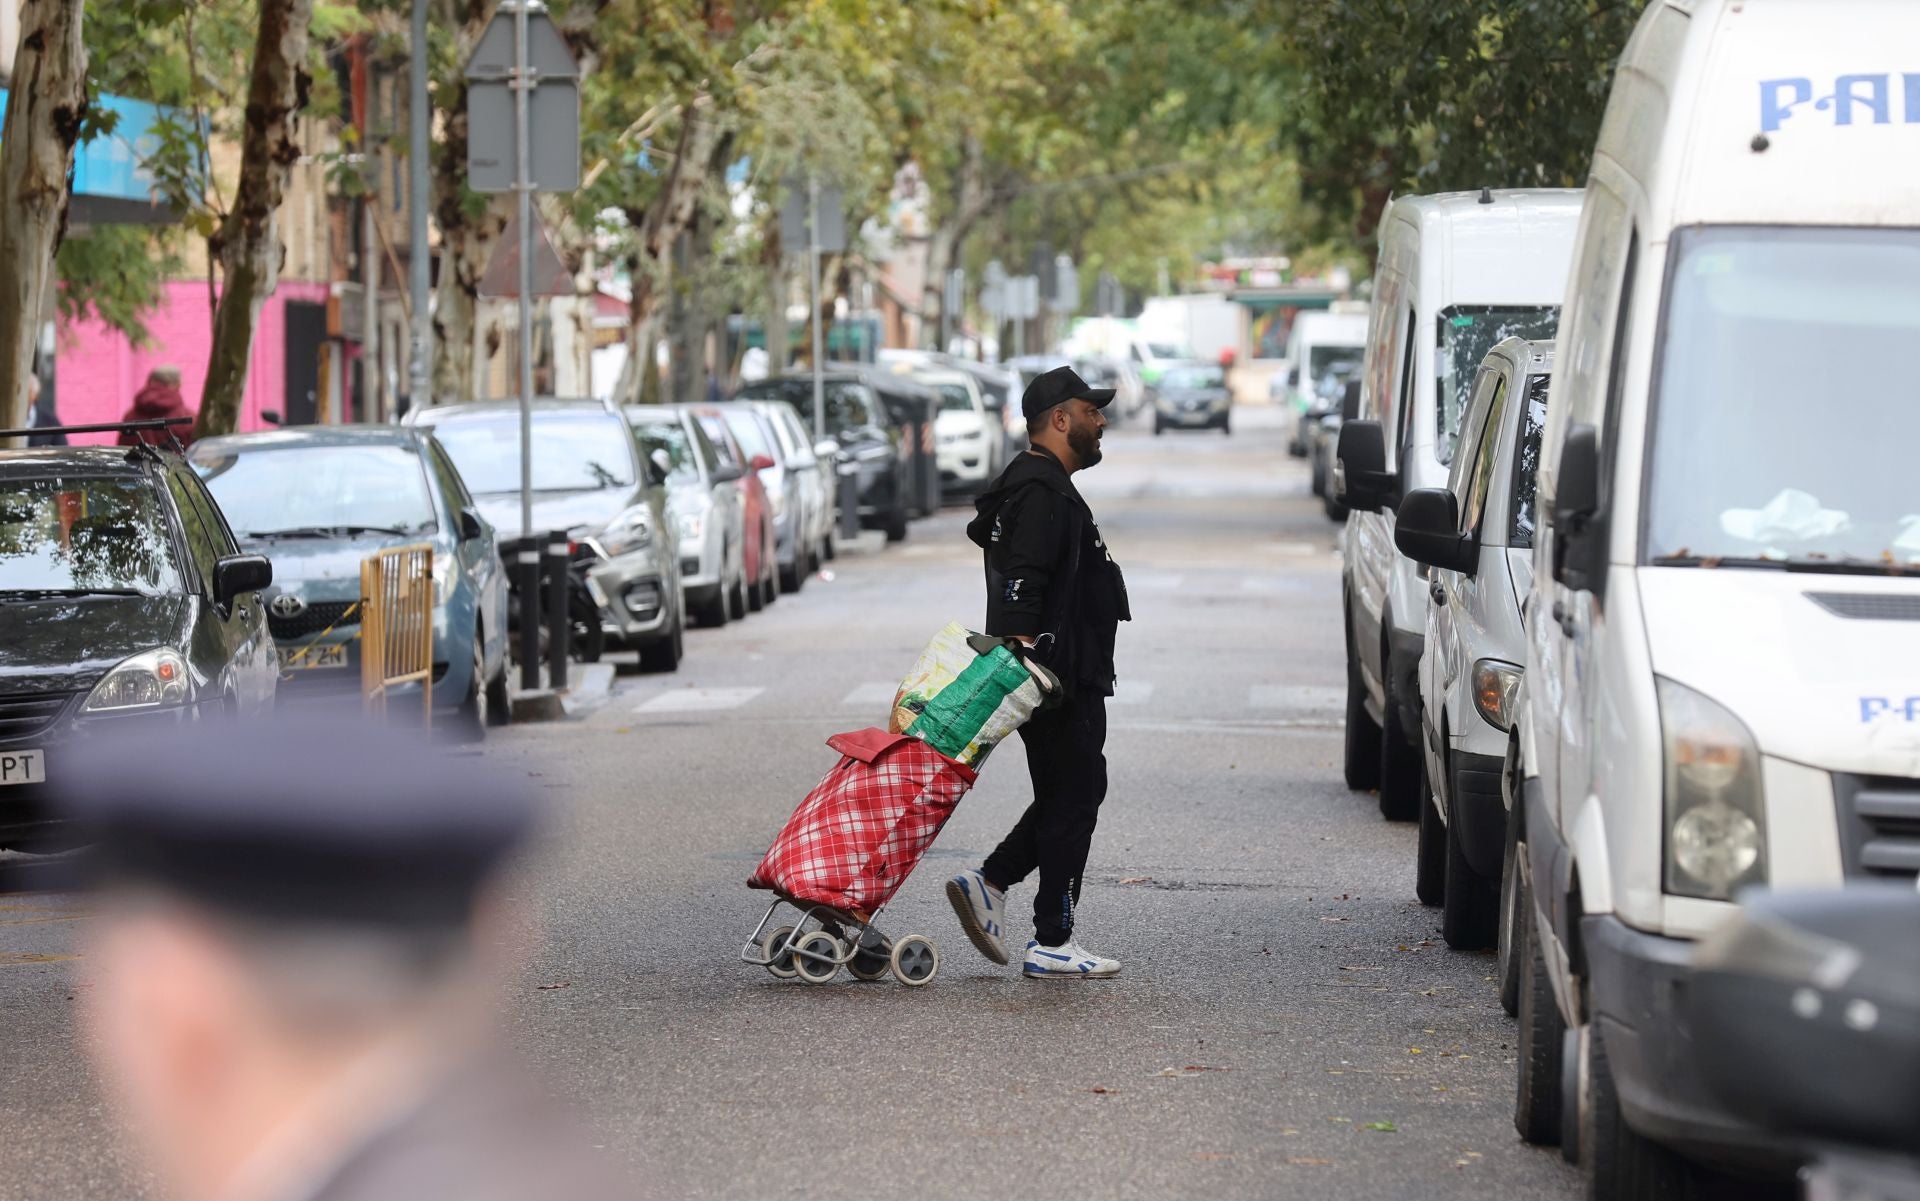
[(796, 489), (703, 494)]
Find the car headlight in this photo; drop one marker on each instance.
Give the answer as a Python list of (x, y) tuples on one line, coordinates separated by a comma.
[(630, 531), (149, 680), (442, 579), (1715, 813), (690, 523), (1494, 686)]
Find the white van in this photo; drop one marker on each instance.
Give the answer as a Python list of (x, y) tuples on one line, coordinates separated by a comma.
[(1321, 343), (1723, 664), (1457, 274)]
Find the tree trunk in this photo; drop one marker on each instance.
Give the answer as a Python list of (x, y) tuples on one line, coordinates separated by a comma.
[(470, 225), (248, 240), (971, 201), (46, 102), (774, 258), (658, 226)]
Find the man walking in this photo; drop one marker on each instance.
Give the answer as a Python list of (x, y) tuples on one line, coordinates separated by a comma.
[(1052, 585)]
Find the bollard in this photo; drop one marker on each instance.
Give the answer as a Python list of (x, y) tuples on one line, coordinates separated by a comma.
[(559, 618), (526, 582), (849, 502)]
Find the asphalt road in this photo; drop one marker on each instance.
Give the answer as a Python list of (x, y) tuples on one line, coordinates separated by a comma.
[(1287, 1023)]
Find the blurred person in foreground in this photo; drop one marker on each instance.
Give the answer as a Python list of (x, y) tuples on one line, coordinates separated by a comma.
[(290, 988), (157, 400)]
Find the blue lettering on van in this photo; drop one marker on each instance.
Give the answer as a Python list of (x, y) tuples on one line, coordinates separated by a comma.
[(1855, 99), (1893, 708)]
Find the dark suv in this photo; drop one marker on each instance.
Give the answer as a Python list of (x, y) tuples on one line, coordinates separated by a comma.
[(124, 598)]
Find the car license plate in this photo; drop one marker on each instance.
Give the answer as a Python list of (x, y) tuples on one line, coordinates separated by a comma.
[(23, 767), (300, 658)]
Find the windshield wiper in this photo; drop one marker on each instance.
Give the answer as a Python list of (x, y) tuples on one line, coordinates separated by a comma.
[(329, 531), (41, 593), (1685, 559), (1804, 565)]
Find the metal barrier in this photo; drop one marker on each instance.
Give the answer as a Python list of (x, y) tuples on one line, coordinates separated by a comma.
[(396, 625)]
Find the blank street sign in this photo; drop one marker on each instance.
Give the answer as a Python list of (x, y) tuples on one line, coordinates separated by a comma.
[(553, 129)]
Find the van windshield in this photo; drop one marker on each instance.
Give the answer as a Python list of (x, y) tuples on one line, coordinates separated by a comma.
[(1787, 407), (1467, 333)]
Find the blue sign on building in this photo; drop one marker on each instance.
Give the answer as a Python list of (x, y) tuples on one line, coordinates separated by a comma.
[(111, 184)]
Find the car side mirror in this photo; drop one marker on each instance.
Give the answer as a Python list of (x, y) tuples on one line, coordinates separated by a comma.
[(236, 575), (726, 473), (1361, 480), (270, 416), (826, 448), (1293, 376), (1427, 530), (471, 526), (762, 462), (662, 464), (1580, 551)]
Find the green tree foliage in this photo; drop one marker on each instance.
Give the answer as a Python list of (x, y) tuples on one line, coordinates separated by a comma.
[(1444, 95)]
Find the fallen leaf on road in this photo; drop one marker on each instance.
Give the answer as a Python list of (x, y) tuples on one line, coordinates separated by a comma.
[(1308, 1161), (1415, 1051), (1137, 880), (1201, 1067), (1288, 1130), (1334, 919), (1383, 1127), (1355, 967), (551, 987), (1103, 1090)]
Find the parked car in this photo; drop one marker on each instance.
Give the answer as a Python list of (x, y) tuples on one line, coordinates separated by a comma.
[(1000, 391), (1324, 419), (1319, 344), (968, 438), (319, 499), (708, 507), (1122, 375), (1721, 632), (868, 440), (123, 597), (588, 479), (759, 581), (800, 493), (1193, 396), (1475, 537), (1457, 274)]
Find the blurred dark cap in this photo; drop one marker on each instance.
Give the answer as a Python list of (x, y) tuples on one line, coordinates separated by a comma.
[(1057, 387), (297, 822)]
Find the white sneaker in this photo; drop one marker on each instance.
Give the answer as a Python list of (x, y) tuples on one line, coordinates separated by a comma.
[(980, 907), (1067, 962)]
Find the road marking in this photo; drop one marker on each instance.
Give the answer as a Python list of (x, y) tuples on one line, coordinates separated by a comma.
[(1133, 692), (1155, 581), (698, 700), (1273, 584), (1307, 697), (870, 695)]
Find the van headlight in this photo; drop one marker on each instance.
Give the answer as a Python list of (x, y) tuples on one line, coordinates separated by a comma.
[(1494, 687), (150, 680), (690, 523), (1715, 813), (630, 531)]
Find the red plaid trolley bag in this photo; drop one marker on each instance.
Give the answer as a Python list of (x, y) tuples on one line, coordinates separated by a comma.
[(847, 850)]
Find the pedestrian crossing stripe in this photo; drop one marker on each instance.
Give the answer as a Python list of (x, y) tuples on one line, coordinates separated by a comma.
[(1132, 692), (880, 693), (1295, 696), (698, 700)]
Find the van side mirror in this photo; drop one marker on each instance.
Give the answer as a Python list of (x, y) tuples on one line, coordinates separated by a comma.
[(236, 575), (471, 526), (270, 416), (1361, 480), (1427, 530), (662, 464), (826, 448), (1350, 401), (1580, 551)]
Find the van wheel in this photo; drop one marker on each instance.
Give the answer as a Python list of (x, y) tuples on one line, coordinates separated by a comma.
[(792, 579), (1508, 951), (1469, 908), (1363, 733), (713, 612), (1403, 768), (1536, 1098), (897, 524), (1621, 1164), (1430, 861)]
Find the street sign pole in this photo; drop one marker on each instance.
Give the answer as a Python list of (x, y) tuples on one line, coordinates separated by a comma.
[(419, 267), (523, 187), (813, 294)]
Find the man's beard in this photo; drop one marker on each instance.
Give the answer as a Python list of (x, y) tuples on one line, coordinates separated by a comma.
[(1085, 444)]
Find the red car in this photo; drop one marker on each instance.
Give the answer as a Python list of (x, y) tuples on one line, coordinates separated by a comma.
[(762, 561)]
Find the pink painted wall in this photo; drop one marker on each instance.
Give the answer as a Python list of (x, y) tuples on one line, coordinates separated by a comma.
[(97, 370)]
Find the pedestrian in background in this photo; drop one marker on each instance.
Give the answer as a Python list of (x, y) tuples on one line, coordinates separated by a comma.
[(1051, 584), (41, 415), (159, 399), (290, 988)]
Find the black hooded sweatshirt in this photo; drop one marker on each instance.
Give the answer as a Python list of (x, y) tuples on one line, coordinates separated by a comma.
[(1049, 575)]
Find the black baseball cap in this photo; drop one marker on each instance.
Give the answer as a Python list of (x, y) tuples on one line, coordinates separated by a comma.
[(1057, 387)]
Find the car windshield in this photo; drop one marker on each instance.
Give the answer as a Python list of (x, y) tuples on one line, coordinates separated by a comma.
[(671, 437), (1323, 361), (572, 452), (849, 405), (1784, 420), (1526, 463), (1467, 333), (76, 535), (954, 398), (272, 489), (747, 432), (1193, 377)]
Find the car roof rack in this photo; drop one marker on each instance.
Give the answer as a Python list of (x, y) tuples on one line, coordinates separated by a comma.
[(110, 427)]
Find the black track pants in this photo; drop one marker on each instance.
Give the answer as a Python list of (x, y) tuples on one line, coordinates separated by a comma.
[(1066, 756)]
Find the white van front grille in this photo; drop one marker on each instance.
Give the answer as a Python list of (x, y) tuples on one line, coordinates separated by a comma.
[(1869, 606), (1879, 826)]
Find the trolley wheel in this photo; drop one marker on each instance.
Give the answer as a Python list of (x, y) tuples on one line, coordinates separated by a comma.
[(780, 964), (915, 960), (819, 943), (871, 960)]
